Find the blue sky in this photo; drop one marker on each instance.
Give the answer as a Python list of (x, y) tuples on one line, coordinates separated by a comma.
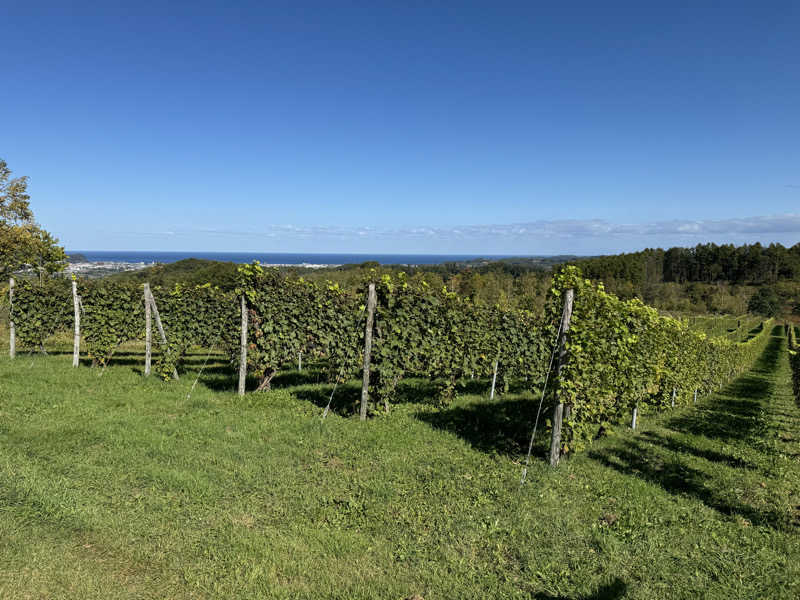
[(441, 127)]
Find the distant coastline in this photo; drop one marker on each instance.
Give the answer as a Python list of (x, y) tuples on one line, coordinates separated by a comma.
[(99, 263), (277, 258)]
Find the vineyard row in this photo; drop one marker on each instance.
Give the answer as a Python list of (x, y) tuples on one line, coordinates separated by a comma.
[(616, 357)]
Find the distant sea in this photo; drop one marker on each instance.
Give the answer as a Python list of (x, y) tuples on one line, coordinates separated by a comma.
[(279, 258)]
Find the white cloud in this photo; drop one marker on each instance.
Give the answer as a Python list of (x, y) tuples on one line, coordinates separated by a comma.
[(676, 232)]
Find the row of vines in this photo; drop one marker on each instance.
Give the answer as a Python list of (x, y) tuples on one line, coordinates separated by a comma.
[(621, 354), (114, 313), (418, 332), (624, 355), (734, 328)]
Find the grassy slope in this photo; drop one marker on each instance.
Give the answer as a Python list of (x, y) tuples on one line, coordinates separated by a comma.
[(119, 487)]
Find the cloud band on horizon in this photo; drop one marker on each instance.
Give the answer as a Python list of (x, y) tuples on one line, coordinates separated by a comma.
[(560, 229)]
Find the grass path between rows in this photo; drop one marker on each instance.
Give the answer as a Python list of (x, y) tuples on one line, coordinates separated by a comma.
[(121, 487)]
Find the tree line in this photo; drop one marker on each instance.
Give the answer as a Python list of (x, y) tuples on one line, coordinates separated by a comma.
[(704, 263)]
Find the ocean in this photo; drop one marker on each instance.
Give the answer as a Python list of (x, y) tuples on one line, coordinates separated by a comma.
[(278, 258)]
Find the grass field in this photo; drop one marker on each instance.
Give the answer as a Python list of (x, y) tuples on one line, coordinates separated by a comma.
[(116, 486)]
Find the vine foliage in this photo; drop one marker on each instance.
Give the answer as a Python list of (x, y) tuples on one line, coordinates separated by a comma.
[(290, 315), (113, 313), (41, 309), (623, 354), (192, 316), (436, 334)]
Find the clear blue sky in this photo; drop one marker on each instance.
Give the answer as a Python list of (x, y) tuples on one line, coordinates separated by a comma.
[(455, 127)]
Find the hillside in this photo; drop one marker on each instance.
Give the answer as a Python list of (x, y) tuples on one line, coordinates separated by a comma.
[(119, 487)]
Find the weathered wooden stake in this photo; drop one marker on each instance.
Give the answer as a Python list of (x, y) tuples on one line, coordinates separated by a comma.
[(558, 411), (243, 356), (160, 328), (148, 331), (635, 414), (673, 397), (12, 332), (76, 342), (695, 396), (300, 361), (494, 381), (372, 300)]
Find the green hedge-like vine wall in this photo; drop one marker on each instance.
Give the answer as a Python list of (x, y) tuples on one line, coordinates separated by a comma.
[(623, 354)]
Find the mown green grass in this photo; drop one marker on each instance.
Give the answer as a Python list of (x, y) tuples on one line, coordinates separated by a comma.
[(116, 486)]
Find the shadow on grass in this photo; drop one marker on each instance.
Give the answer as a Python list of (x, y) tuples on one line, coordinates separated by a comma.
[(224, 378), (308, 376), (347, 397), (635, 458), (345, 401), (681, 447), (612, 591), (734, 414), (125, 358), (754, 332), (501, 426)]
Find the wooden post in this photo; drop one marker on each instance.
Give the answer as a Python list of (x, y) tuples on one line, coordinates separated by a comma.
[(635, 414), (12, 332), (558, 411), (243, 356), (494, 381), (695, 396), (673, 397), (160, 328), (76, 342), (372, 300), (300, 361), (148, 331)]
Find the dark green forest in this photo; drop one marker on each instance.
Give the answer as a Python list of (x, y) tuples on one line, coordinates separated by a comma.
[(705, 263)]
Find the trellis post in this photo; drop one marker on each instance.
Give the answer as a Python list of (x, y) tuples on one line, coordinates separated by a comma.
[(12, 332), (372, 300), (243, 356), (76, 342), (558, 411), (148, 331)]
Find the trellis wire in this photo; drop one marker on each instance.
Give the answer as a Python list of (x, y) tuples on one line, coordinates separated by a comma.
[(541, 401), (335, 383), (205, 362)]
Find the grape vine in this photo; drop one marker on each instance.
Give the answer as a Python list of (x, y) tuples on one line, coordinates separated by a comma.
[(623, 354), (288, 316), (40, 310)]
